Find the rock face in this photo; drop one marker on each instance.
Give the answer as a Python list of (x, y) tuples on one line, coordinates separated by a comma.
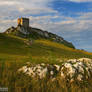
[(24, 30), (79, 69), (23, 22), (40, 70), (73, 69), (35, 33)]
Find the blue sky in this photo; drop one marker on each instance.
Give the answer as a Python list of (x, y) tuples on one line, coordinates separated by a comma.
[(71, 19)]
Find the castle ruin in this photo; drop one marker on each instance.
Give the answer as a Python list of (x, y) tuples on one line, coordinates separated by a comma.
[(23, 22)]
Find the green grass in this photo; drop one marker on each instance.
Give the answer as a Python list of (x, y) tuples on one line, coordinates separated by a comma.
[(15, 52), (16, 48), (18, 82)]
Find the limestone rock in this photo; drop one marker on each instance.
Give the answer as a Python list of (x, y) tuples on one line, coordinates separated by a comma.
[(73, 69), (25, 31)]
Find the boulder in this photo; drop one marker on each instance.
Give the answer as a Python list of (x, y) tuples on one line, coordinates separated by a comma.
[(72, 69)]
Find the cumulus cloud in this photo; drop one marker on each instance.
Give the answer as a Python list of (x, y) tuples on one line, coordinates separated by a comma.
[(78, 30), (81, 0), (44, 17), (12, 9), (78, 24)]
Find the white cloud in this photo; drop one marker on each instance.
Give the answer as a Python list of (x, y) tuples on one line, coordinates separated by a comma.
[(12, 9), (80, 0), (75, 25), (77, 29), (49, 19)]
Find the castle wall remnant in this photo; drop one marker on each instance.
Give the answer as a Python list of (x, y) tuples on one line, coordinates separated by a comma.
[(23, 22)]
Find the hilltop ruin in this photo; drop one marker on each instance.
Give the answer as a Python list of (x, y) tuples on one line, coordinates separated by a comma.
[(24, 30), (23, 22)]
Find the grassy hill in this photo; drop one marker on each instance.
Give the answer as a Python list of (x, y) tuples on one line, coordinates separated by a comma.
[(16, 48), (15, 51), (36, 33)]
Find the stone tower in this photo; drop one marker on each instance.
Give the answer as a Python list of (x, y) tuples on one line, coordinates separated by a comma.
[(23, 22)]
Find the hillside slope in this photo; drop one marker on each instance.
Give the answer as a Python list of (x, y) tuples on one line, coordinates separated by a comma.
[(16, 48), (36, 33), (18, 52)]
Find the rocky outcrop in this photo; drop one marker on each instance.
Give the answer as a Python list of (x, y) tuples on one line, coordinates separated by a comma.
[(77, 69), (10, 30), (71, 70), (40, 70), (35, 33)]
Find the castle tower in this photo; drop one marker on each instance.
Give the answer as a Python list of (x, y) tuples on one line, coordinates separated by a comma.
[(23, 22)]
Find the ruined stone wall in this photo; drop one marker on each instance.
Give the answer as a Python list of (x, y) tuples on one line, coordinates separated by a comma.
[(23, 22)]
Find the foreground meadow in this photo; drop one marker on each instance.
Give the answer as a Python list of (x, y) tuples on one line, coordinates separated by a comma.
[(15, 52)]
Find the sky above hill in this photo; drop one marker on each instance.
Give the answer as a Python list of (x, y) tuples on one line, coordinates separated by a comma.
[(71, 19)]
